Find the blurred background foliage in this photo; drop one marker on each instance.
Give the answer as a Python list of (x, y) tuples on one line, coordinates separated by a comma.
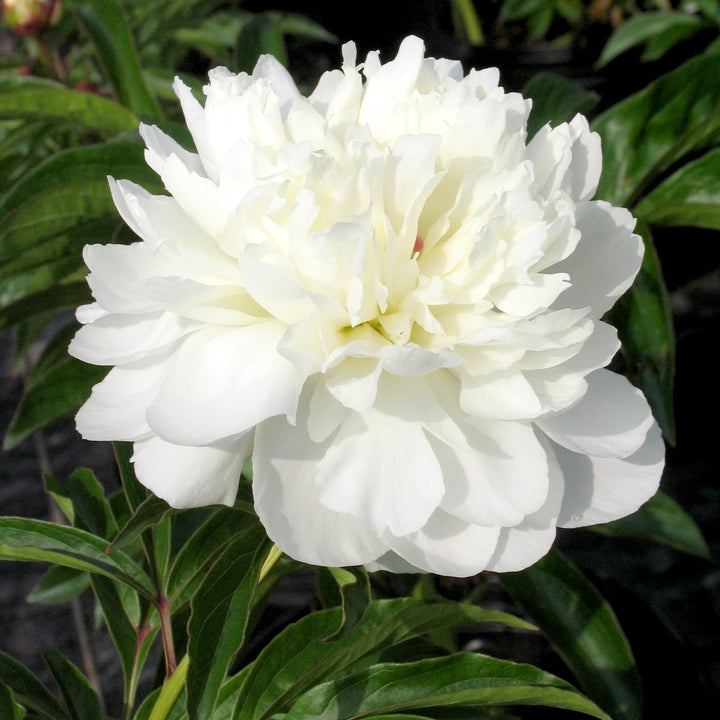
[(77, 76)]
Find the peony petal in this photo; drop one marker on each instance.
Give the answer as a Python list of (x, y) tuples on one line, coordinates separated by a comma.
[(382, 470), (524, 544), (448, 546), (611, 420), (187, 477), (599, 489), (119, 339), (605, 261), (499, 479), (285, 461), (505, 395), (222, 383), (117, 405)]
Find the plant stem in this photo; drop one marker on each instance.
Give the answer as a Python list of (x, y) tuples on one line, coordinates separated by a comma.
[(170, 690), (167, 636)]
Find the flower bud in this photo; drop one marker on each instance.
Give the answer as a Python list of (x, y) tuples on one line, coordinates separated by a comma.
[(30, 17)]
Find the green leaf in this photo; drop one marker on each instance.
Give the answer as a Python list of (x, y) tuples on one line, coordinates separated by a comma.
[(105, 23), (690, 197), (301, 26), (28, 690), (350, 589), (92, 510), (583, 628), (61, 392), (261, 35), (63, 199), (644, 321), (26, 539), (80, 698), (134, 491), (59, 584), (149, 513), (201, 550), (67, 294), (298, 658), (659, 31), (220, 610), (460, 681), (131, 642), (663, 521), (645, 134), (555, 100), (8, 707), (32, 98)]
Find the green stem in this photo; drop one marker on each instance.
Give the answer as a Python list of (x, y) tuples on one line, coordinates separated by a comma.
[(141, 633), (167, 635), (170, 690), (470, 21)]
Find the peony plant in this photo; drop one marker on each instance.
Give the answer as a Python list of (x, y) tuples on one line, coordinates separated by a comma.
[(360, 335)]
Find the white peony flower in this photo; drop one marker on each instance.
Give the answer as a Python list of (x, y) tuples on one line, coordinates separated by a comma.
[(389, 298)]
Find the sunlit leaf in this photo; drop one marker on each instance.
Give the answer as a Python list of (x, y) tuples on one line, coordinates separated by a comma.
[(105, 23), (644, 135), (460, 681), (584, 630), (663, 521), (689, 197), (39, 540)]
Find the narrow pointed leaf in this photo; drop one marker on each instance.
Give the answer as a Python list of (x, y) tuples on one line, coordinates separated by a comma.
[(663, 521), (460, 681), (105, 23), (148, 514), (659, 31), (28, 689), (68, 294), (59, 395), (646, 134), (584, 630), (690, 197), (81, 700), (59, 584), (200, 551), (134, 491), (37, 99), (26, 539), (8, 707), (298, 658), (350, 589), (220, 610), (92, 510)]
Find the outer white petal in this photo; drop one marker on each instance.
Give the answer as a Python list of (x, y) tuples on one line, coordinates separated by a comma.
[(117, 405), (611, 420), (500, 479), (195, 119), (188, 477), (524, 544), (223, 382), (599, 490), (605, 261), (382, 470), (448, 546), (284, 487), (118, 339)]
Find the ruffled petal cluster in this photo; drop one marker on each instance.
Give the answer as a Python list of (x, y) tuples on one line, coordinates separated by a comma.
[(389, 298)]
